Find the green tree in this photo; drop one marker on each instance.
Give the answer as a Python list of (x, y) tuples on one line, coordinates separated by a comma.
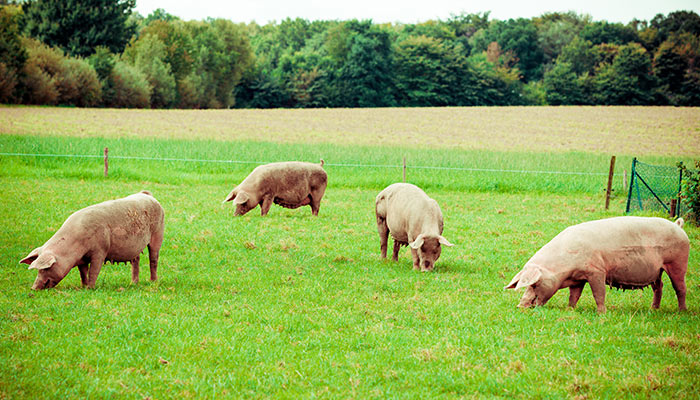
[(466, 25), (677, 67), (676, 22), (612, 33), (159, 14), (103, 62), (79, 26), (484, 83), (425, 72), (12, 53), (222, 54), (627, 81), (580, 54), (362, 55), (518, 36), (557, 30), (148, 55), (562, 85)]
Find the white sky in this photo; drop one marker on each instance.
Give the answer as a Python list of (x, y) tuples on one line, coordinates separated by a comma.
[(406, 11)]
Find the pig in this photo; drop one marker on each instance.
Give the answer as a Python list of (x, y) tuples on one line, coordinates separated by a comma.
[(414, 220), (115, 230), (289, 184), (622, 252)]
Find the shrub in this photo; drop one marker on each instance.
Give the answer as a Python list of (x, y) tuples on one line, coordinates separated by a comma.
[(131, 89), (103, 62), (52, 78), (42, 65), (690, 190), (78, 84), (148, 55), (8, 82)]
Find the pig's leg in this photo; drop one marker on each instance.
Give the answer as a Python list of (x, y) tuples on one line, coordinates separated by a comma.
[(575, 294), (135, 270), (265, 205), (153, 251), (83, 268), (677, 275), (316, 196), (657, 286), (96, 262), (315, 204), (397, 247), (597, 283), (416, 260), (383, 230)]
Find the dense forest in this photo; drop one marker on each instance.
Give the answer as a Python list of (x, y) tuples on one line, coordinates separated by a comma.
[(100, 53)]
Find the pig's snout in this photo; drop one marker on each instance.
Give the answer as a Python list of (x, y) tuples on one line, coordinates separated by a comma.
[(529, 299), (43, 284)]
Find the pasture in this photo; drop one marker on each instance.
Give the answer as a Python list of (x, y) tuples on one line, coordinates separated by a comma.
[(290, 305)]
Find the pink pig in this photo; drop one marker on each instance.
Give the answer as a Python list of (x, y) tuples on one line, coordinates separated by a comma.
[(115, 230), (623, 252)]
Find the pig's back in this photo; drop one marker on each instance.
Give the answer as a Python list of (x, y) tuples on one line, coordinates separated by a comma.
[(282, 175), (627, 231), (122, 228)]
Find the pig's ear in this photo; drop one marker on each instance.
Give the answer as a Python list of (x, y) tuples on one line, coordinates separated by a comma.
[(416, 244), (444, 242), (230, 196), (241, 198), (524, 278), (31, 257), (43, 262)]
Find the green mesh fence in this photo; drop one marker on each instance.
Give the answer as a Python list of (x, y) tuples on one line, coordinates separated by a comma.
[(654, 187)]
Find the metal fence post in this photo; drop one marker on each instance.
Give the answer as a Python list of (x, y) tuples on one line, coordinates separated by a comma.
[(629, 193)]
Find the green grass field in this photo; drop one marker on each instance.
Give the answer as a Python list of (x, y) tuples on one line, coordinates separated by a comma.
[(292, 306)]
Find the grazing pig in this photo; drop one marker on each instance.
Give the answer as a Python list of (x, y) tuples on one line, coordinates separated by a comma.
[(414, 220), (115, 230), (289, 184), (623, 252)]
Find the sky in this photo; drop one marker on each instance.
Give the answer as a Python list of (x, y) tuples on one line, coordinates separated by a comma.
[(406, 11)]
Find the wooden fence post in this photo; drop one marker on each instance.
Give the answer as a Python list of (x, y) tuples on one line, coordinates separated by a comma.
[(610, 180), (674, 205), (106, 162), (404, 169)]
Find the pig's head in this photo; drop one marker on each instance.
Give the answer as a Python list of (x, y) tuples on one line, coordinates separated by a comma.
[(243, 200), (540, 285), (428, 247), (50, 270)]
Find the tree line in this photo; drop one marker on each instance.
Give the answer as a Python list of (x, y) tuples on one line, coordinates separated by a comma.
[(100, 53)]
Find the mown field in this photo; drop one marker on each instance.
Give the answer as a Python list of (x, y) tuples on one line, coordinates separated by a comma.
[(291, 306)]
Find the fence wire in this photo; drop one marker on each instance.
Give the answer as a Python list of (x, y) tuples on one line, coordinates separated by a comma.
[(654, 187), (116, 157)]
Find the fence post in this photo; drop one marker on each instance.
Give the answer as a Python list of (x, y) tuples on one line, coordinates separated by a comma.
[(674, 207), (106, 161), (629, 193), (610, 180), (404, 169)]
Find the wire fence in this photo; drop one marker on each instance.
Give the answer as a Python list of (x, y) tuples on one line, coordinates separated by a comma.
[(198, 160), (655, 187)]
